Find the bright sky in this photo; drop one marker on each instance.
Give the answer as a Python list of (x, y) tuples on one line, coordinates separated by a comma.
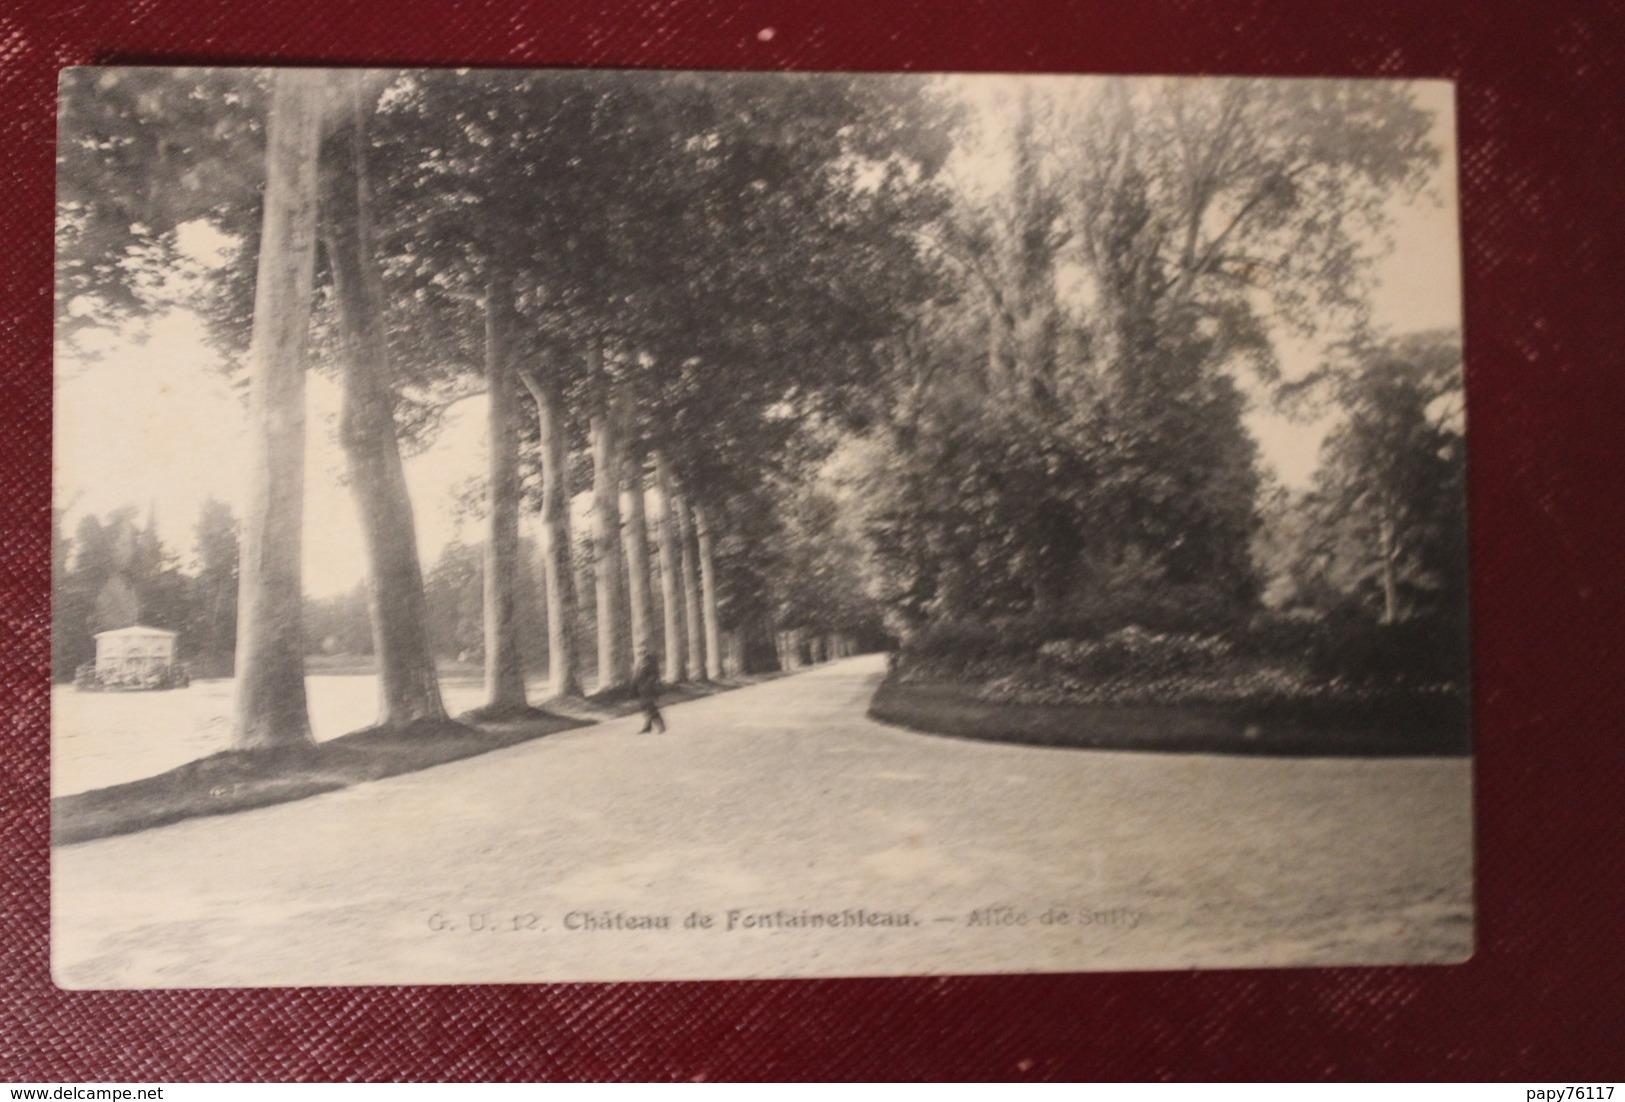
[(1418, 287), (155, 422)]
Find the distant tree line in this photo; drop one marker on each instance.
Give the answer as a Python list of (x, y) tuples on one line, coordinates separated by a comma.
[(115, 572)]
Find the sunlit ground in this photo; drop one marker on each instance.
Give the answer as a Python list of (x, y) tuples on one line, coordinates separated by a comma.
[(785, 796)]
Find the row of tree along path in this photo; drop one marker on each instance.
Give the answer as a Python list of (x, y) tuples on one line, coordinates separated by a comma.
[(840, 360)]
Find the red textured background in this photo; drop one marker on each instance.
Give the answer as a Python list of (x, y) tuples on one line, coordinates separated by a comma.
[(1542, 160)]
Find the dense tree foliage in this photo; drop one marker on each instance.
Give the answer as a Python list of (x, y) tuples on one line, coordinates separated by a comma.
[(1386, 526), (1058, 459)]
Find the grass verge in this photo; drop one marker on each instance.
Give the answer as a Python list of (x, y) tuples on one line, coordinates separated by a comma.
[(955, 709), (236, 780)]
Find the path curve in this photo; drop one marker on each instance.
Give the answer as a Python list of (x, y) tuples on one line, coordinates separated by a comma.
[(819, 828)]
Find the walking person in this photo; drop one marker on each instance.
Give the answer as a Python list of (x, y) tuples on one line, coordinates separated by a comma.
[(647, 683)]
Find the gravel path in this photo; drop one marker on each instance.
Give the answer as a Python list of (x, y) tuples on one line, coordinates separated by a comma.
[(815, 841)]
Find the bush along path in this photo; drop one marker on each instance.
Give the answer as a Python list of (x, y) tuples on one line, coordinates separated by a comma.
[(1133, 689)]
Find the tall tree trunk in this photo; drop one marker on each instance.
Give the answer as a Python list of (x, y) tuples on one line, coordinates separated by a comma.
[(504, 666), (614, 659), (708, 586), (640, 594), (270, 709), (693, 619), (409, 687), (564, 669), (671, 580)]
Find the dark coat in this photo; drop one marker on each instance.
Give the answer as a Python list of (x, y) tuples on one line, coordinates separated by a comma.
[(647, 678)]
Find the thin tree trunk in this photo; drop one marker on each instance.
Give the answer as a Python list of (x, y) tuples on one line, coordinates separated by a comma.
[(640, 593), (504, 666), (708, 586), (997, 376), (671, 581), (614, 661), (270, 708), (409, 688), (586, 581), (564, 670), (1390, 584), (693, 620)]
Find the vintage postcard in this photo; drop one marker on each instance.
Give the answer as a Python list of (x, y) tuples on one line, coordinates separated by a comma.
[(524, 526)]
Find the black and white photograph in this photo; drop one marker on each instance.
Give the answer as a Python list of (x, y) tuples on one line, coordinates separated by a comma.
[(525, 526)]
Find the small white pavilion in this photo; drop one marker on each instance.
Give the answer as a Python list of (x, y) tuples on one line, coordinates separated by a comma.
[(134, 654)]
